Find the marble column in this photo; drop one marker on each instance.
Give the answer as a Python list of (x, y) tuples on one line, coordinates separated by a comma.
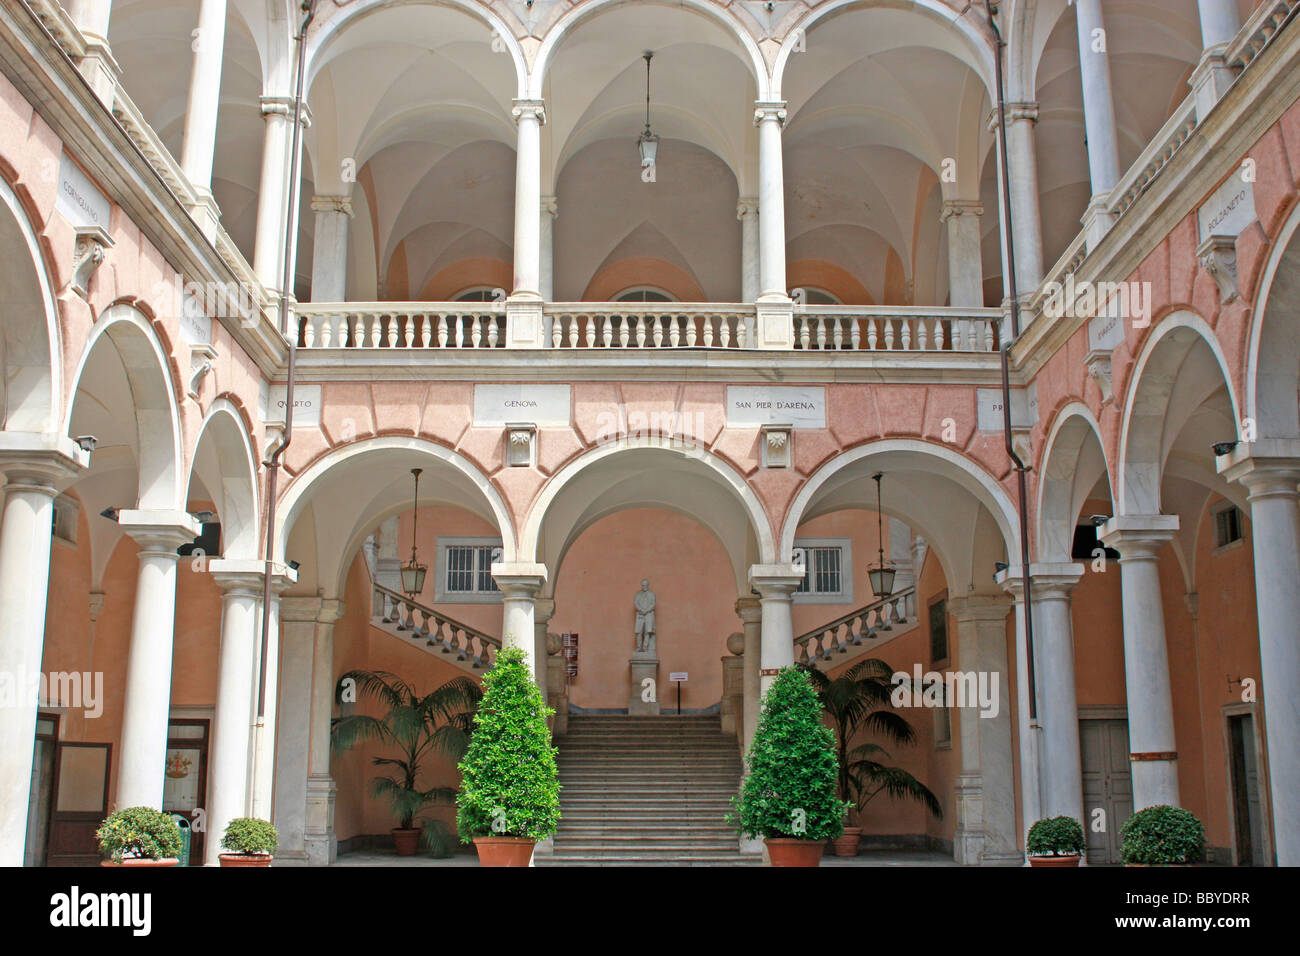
[(1026, 219), (750, 611), (32, 480), (319, 838), (329, 264), (543, 610), (776, 584), (273, 214), (747, 213), (520, 583), (1270, 470), (965, 269), (146, 710), (900, 554), (985, 830), (529, 116), (1059, 760), (550, 212), (200, 138), (1153, 751), (770, 117), (294, 730), (1098, 116), (232, 723), (97, 65)]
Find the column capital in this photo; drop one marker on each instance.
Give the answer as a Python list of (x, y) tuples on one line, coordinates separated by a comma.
[(550, 207), (1023, 110), (749, 609), (1270, 466), (980, 607), (518, 578), (747, 206), (543, 610), (283, 106), (341, 204), (309, 609), (531, 109), (40, 460), (1047, 579), (769, 110), (774, 580), (159, 531), (1137, 536), (242, 577), (961, 207)]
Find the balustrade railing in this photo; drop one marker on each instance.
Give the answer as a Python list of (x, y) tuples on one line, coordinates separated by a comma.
[(648, 325), (435, 629), (401, 325), (856, 627), (885, 328)]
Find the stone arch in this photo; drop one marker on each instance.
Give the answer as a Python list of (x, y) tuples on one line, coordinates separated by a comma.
[(631, 473), (124, 336), (1272, 373), (1160, 383), (583, 12), (1074, 458), (361, 484), (225, 462), (31, 363)]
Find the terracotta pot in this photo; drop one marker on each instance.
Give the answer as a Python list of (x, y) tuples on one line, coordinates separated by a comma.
[(244, 859), (786, 851), (1054, 860), (504, 851), (847, 844), (138, 861), (406, 840)]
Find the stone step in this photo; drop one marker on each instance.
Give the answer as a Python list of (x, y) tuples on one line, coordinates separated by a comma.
[(648, 851), (734, 859)]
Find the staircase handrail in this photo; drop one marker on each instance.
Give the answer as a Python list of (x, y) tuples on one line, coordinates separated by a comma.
[(836, 636), (435, 628)]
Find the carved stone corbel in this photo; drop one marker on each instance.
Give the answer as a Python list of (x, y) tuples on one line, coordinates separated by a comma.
[(521, 444), (93, 243), (1218, 256), (201, 356), (1098, 363), (778, 445)]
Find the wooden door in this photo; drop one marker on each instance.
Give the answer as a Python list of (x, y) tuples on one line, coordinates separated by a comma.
[(80, 803), (1107, 786)]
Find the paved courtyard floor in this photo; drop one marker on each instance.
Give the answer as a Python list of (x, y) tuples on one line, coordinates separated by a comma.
[(866, 858)]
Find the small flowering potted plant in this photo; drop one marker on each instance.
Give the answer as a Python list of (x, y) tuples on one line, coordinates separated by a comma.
[(510, 790), (249, 842), (1162, 836), (1056, 841), (139, 836), (789, 797)]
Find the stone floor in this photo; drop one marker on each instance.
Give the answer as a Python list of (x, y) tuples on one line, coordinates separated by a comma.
[(866, 858)]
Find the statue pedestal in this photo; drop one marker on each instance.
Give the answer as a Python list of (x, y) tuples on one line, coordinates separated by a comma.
[(643, 667)]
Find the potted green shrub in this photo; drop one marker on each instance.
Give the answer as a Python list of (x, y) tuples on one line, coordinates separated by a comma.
[(1056, 841), (860, 699), (509, 790), (415, 725), (788, 797), (139, 836), (1162, 836), (251, 842)]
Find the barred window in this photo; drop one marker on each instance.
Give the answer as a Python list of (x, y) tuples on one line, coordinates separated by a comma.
[(826, 572), (465, 570)]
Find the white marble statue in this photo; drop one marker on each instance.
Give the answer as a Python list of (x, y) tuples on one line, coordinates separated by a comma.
[(645, 619)]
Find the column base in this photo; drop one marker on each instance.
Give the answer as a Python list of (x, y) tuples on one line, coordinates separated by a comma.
[(525, 323), (968, 836), (319, 837), (101, 70), (775, 322), (643, 668)]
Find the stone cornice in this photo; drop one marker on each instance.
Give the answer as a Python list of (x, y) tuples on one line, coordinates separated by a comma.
[(44, 75)]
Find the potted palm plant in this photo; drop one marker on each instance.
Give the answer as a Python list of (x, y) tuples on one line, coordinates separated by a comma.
[(1056, 841), (859, 700), (250, 842), (139, 836), (416, 726), (789, 796), (1162, 836), (510, 789)]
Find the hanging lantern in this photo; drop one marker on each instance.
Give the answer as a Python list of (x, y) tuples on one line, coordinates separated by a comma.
[(882, 575), (413, 572), (647, 143)]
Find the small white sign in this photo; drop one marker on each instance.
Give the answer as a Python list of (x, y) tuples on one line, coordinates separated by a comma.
[(1105, 332), (749, 406), (196, 327), (306, 405), (78, 199), (1229, 210), (677, 676), (541, 405), (989, 404)]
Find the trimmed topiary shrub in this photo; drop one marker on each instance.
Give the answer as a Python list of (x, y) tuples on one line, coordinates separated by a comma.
[(509, 783), (1163, 835), (139, 833), (791, 787), (249, 836), (1055, 836)]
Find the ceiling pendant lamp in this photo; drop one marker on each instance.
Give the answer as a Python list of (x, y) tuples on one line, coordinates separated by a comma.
[(882, 575), (647, 143), (413, 572)]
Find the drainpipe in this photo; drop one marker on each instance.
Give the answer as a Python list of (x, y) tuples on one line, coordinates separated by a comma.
[(272, 461), (1004, 352)]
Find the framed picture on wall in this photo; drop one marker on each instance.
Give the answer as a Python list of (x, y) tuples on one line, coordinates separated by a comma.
[(939, 631)]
